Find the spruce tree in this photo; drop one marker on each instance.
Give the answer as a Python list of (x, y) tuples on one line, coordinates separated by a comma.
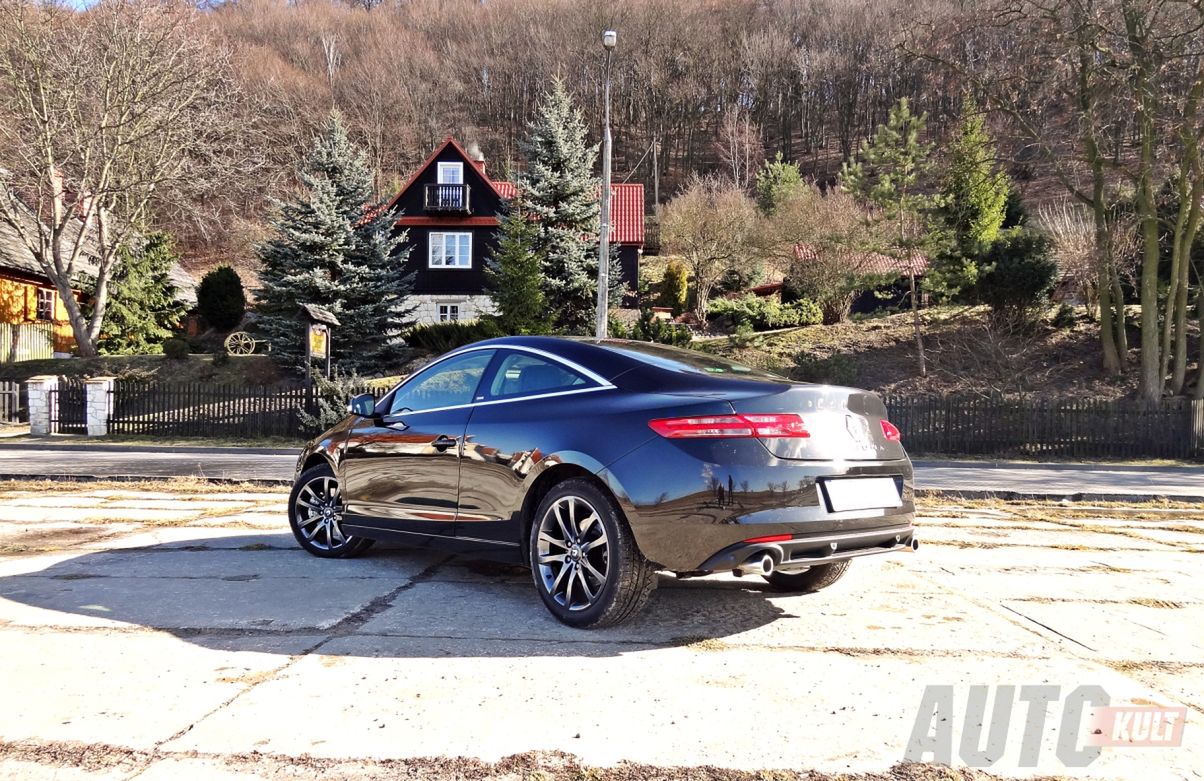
[(562, 194), (515, 274), (143, 307), (974, 190), (331, 248)]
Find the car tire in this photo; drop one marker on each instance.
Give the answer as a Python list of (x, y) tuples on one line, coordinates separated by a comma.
[(587, 568), (315, 514), (809, 581)]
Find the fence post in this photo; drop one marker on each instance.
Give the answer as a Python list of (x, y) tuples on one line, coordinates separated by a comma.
[(98, 404), (42, 391), (1197, 427)]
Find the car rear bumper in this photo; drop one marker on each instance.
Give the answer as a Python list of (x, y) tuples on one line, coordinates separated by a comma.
[(693, 506), (803, 552)]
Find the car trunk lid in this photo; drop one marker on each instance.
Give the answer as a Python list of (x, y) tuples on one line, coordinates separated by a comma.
[(841, 423)]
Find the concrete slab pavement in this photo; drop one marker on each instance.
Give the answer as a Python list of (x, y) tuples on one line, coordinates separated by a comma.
[(178, 649)]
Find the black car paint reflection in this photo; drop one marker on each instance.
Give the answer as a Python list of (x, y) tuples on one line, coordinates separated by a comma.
[(685, 500)]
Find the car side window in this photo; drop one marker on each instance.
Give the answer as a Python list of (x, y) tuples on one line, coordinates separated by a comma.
[(523, 374), (448, 383)]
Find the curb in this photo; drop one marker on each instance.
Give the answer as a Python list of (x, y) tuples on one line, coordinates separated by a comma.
[(1052, 466), (1031, 496), (186, 449), (68, 478)]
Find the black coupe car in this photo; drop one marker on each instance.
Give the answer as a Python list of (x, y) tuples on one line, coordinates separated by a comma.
[(600, 462)]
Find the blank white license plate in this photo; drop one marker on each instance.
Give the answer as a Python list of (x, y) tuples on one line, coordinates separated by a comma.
[(862, 493)]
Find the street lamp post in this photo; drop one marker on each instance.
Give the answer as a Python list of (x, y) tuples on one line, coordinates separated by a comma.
[(609, 38)]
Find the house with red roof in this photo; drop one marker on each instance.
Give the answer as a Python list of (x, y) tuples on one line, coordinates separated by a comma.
[(451, 210)]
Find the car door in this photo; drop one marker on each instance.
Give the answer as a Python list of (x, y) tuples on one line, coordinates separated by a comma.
[(401, 467), (529, 401)]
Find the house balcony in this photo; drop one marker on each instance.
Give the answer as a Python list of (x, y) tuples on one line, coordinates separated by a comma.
[(446, 198)]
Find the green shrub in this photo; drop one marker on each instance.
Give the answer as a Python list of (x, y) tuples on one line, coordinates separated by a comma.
[(441, 337), (220, 298), (1064, 318), (652, 329), (675, 287), (176, 348), (1019, 271), (762, 314), (331, 398), (833, 370)]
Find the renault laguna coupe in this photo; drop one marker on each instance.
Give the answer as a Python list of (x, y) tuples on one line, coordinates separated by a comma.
[(599, 463)]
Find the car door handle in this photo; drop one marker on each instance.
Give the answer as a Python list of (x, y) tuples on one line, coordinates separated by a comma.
[(443, 442)]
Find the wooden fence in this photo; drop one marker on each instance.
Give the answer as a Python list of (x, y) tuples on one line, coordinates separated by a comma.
[(26, 341), (210, 410), (1173, 429), (12, 403), (953, 426)]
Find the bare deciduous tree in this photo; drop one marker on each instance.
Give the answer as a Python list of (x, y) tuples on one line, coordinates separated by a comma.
[(101, 114), (710, 224)]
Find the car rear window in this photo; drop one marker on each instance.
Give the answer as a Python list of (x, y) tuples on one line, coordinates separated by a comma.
[(689, 361)]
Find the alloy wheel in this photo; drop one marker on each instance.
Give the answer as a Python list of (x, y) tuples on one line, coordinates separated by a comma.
[(320, 514), (573, 554)]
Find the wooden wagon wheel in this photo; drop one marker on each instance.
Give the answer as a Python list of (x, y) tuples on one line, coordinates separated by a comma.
[(240, 343)]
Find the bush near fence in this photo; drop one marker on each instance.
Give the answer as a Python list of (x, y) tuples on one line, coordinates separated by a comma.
[(1068, 429)]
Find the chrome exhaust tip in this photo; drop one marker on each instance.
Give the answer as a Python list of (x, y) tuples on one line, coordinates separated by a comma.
[(757, 565), (915, 544)]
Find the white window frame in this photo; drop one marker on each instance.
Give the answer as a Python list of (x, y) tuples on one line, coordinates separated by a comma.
[(443, 316), (437, 240), (441, 167), (52, 303)]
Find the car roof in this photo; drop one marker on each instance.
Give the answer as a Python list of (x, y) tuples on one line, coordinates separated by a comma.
[(644, 366)]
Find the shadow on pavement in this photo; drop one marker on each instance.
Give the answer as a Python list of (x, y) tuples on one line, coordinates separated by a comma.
[(262, 593)]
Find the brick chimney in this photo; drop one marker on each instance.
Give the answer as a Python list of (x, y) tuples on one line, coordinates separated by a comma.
[(477, 157)]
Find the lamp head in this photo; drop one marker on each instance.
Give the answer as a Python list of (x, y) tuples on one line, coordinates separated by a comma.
[(609, 39)]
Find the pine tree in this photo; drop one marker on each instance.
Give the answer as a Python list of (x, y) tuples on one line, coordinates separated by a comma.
[(887, 174), (515, 274), (143, 307), (562, 194), (332, 249)]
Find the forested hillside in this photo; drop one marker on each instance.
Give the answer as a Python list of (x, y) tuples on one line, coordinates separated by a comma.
[(714, 83)]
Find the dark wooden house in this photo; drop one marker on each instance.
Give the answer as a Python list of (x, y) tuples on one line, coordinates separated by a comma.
[(451, 209)]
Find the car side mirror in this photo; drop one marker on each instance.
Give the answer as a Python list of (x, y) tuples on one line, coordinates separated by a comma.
[(363, 405)]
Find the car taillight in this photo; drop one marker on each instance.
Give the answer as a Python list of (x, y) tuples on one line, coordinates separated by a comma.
[(731, 426), (891, 431)]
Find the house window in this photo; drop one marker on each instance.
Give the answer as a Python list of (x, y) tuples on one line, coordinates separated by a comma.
[(451, 173), (451, 250), (449, 313), (45, 304)]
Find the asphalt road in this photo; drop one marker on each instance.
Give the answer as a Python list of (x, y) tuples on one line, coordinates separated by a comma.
[(1046, 480), (185, 636)]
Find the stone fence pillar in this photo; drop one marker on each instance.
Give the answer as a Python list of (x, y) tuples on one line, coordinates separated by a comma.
[(42, 399), (98, 403)]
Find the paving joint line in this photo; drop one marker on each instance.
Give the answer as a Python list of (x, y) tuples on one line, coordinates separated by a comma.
[(340, 629)]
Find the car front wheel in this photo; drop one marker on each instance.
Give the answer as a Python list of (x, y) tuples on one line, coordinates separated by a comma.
[(587, 568), (315, 513)]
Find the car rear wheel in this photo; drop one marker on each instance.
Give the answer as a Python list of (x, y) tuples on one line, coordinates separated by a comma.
[(315, 513), (586, 565), (818, 577)]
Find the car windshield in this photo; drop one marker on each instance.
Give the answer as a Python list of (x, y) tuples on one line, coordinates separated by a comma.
[(689, 361)]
